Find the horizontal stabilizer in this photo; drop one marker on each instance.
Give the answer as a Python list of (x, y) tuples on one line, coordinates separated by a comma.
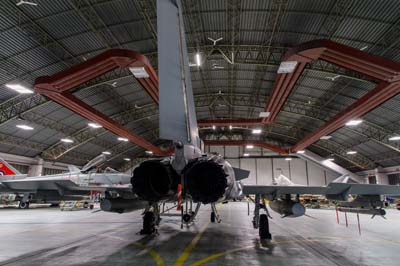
[(241, 173)]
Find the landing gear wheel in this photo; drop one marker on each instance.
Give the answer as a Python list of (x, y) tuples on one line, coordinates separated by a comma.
[(149, 224), (212, 217), (23, 205), (264, 227)]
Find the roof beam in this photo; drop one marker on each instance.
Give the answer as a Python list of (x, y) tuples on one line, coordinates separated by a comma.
[(261, 144)]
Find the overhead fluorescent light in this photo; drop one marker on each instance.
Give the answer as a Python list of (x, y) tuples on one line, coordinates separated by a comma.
[(19, 88), (363, 48), (394, 138), (127, 159), (246, 155), (264, 114), (287, 67), (149, 152), (351, 152), (24, 127), (249, 146), (94, 125), (139, 72), (22, 2), (67, 140), (326, 137), (122, 139), (214, 127), (230, 127), (288, 159), (301, 152), (106, 152), (354, 122), (256, 131), (198, 59)]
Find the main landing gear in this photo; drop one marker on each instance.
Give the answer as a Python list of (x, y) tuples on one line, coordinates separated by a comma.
[(151, 219), (260, 221), (214, 214)]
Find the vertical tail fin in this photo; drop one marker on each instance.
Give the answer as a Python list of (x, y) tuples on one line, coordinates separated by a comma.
[(177, 113), (7, 169)]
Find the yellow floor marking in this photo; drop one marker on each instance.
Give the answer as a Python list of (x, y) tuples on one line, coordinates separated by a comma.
[(185, 254), (156, 257)]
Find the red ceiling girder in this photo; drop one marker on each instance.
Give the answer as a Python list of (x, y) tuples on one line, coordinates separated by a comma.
[(242, 143), (227, 122), (58, 88)]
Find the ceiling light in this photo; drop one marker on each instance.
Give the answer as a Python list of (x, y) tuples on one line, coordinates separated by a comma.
[(94, 125), (139, 72), (264, 114), (19, 88), (122, 139), (301, 152), (351, 152), (287, 67), (149, 152), (67, 140), (256, 131), (230, 127), (106, 152), (22, 2), (127, 159), (354, 122), (214, 127), (198, 61), (363, 48), (24, 127), (394, 138), (114, 84), (288, 159), (246, 155), (249, 146), (326, 137)]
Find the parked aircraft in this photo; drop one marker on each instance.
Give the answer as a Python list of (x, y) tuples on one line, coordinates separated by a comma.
[(191, 176), (74, 185)]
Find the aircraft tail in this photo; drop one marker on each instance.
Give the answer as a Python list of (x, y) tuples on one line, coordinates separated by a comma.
[(7, 169)]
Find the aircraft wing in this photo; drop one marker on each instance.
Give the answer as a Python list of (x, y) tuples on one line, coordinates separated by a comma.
[(38, 183), (331, 189)]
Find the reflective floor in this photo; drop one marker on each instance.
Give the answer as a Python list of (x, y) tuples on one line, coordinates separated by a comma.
[(52, 237)]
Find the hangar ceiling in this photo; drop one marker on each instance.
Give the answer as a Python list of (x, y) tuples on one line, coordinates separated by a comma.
[(234, 81)]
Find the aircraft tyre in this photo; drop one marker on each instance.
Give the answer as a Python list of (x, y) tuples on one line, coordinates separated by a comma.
[(23, 205), (149, 224), (212, 218), (264, 227)]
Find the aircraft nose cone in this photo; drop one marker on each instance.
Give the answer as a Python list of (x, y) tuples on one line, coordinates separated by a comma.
[(298, 210)]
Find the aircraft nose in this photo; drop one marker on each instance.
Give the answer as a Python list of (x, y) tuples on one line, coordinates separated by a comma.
[(298, 210)]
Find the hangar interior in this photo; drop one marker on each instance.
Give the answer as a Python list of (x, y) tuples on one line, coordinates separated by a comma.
[(335, 112)]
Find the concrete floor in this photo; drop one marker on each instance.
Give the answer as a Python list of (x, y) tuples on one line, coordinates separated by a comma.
[(52, 237)]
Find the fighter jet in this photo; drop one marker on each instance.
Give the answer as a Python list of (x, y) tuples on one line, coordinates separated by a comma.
[(192, 176), (74, 185)]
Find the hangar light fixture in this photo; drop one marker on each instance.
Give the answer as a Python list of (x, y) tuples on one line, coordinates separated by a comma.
[(22, 2), (139, 72), (24, 127), (94, 125), (246, 155), (214, 127), (230, 127), (127, 159), (301, 152), (288, 159), (67, 140), (394, 138), (351, 152), (256, 131), (325, 137), (249, 146), (198, 59), (354, 122), (287, 67), (149, 152), (264, 114), (106, 152), (19, 88), (123, 139)]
